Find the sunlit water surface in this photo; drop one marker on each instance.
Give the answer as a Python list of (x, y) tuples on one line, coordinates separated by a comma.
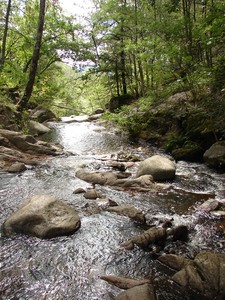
[(69, 267)]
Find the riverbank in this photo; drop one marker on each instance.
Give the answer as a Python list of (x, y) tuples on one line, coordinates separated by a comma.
[(184, 125)]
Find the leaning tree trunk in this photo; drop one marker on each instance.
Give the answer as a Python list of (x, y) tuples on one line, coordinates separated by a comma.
[(35, 58), (2, 58)]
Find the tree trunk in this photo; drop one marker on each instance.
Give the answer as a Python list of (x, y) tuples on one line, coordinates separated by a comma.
[(2, 58), (123, 71), (35, 58), (142, 83)]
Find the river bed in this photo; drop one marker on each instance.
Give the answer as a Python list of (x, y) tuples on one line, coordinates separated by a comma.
[(69, 267)]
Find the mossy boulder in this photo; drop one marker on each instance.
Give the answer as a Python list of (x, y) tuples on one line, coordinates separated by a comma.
[(189, 153), (8, 118)]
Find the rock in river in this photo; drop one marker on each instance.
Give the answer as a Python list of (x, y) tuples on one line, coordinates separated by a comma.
[(142, 292), (43, 216), (215, 155), (160, 167), (130, 211), (205, 274)]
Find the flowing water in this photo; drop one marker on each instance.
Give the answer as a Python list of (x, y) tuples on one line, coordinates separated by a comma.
[(69, 267)]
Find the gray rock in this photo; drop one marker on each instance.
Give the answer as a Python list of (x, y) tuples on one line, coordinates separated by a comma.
[(43, 216), (215, 155), (160, 167), (37, 128), (42, 114)]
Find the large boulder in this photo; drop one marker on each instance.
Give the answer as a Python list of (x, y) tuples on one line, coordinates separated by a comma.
[(215, 155), (43, 216), (160, 167), (205, 274), (42, 114)]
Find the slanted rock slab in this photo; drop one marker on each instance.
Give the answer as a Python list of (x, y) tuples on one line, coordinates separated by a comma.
[(205, 274), (160, 167), (124, 282), (43, 216), (142, 292), (37, 128)]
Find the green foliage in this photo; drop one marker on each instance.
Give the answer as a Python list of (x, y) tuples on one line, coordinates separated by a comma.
[(129, 119), (219, 76), (150, 49), (69, 92), (174, 141)]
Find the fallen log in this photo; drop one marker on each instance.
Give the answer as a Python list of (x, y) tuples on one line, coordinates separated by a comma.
[(155, 235)]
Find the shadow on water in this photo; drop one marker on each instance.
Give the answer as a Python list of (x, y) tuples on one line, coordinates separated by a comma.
[(69, 267)]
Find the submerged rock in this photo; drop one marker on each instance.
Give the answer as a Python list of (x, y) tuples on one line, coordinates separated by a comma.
[(144, 182), (92, 194), (43, 216), (160, 167), (129, 211)]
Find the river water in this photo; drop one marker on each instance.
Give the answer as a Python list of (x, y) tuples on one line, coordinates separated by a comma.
[(69, 267)]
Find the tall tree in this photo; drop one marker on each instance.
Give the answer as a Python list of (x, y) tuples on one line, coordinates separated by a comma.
[(35, 58), (3, 48)]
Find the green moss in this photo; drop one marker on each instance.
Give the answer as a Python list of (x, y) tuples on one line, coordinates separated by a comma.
[(191, 153)]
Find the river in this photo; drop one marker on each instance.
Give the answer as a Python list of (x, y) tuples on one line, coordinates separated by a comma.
[(69, 267)]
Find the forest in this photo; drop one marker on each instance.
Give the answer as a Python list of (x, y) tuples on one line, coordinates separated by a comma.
[(112, 150), (127, 57)]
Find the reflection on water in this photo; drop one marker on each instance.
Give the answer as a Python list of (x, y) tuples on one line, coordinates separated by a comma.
[(69, 267), (83, 138)]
